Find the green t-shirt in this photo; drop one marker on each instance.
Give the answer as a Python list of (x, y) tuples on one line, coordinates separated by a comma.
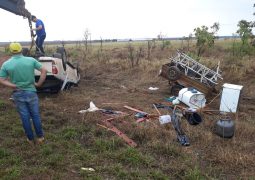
[(20, 70)]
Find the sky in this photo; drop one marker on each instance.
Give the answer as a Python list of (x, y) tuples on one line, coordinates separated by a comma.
[(125, 19)]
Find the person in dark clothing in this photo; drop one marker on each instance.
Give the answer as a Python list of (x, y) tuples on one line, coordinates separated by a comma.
[(40, 33)]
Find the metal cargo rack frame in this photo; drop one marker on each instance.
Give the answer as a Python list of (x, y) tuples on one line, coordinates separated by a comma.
[(185, 71)]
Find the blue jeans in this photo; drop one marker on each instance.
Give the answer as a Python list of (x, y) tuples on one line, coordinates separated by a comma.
[(27, 104), (39, 43)]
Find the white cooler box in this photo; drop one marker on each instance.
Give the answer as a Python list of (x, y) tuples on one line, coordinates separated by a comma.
[(192, 98)]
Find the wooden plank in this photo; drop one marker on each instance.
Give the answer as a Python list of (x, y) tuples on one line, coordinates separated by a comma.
[(122, 135), (157, 110), (133, 109)]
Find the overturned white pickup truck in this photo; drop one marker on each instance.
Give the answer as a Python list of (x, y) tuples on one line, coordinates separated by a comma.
[(61, 74)]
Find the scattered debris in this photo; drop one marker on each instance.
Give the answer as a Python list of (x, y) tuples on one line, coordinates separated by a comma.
[(192, 98), (113, 103), (163, 106), (110, 111), (133, 109), (181, 137), (176, 101), (123, 87), (142, 116), (153, 88), (88, 169), (170, 99), (173, 99), (112, 128), (194, 102), (187, 104), (156, 109), (164, 119), (193, 118), (92, 108)]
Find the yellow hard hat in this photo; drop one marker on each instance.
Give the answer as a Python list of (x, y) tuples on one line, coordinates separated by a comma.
[(15, 47)]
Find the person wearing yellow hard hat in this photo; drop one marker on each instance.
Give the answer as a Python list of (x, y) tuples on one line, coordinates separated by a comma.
[(18, 73), (15, 48)]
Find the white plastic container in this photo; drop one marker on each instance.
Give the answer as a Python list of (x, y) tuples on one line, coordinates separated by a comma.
[(230, 97), (192, 98), (164, 119)]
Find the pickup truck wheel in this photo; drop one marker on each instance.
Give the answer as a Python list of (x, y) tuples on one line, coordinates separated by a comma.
[(173, 73), (62, 51)]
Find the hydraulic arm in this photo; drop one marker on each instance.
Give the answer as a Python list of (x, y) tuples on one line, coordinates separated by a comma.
[(15, 6)]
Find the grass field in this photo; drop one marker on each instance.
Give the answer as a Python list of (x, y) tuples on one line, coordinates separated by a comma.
[(75, 140)]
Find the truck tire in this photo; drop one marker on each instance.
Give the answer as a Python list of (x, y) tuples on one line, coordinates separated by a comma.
[(62, 51), (173, 73)]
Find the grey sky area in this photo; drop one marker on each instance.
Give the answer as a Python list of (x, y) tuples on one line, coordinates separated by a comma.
[(68, 20)]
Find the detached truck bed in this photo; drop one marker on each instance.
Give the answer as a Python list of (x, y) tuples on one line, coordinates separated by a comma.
[(183, 71)]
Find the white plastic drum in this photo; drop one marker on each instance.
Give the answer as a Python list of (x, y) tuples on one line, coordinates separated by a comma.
[(192, 98)]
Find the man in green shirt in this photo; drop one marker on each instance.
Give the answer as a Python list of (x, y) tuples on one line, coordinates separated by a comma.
[(18, 74)]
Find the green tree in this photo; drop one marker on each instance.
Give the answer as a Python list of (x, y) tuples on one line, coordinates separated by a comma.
[(215, 28), (205, 38), (245, 31)]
